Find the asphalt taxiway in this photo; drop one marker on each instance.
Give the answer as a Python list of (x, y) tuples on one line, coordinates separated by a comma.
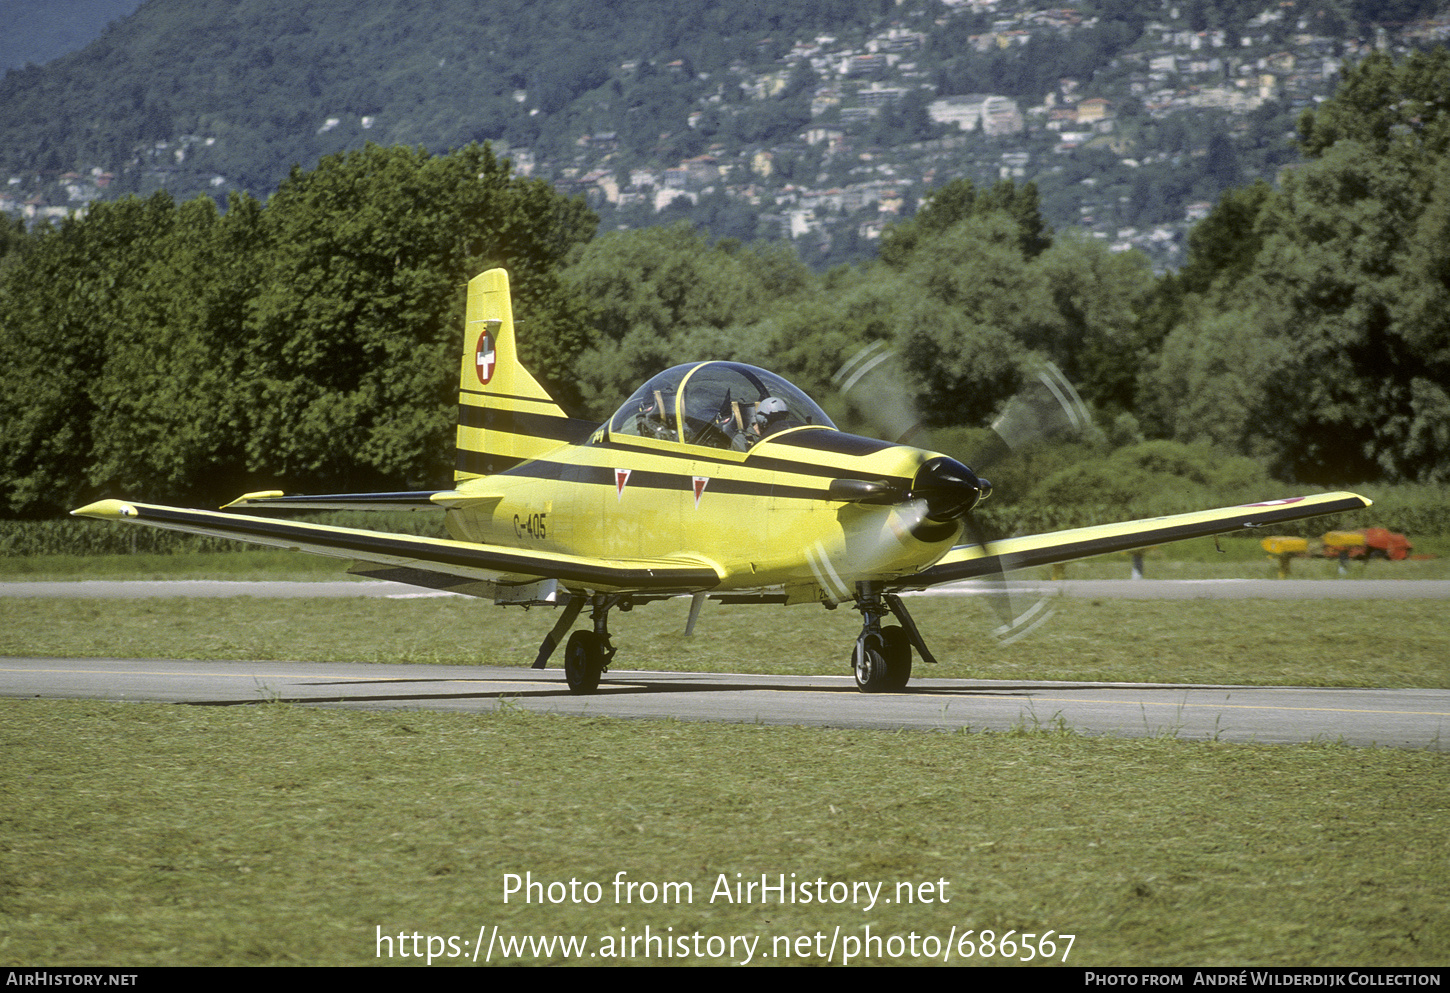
[(1410, 718)]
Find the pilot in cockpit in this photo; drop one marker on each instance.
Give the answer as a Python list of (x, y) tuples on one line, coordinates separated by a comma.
[(656, 419), (745, 424), (771, 415), (730, 423)]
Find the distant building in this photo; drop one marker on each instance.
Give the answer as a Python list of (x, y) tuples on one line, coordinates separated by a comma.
[(897, 40), (858, 115), (864, 65), (877, 95), (1091, 110), (996, 115), (815, 136), (693, 174)]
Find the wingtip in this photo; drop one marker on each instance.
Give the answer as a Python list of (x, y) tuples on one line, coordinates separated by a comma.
[(1364, 501), (106, 510), (247, 498)]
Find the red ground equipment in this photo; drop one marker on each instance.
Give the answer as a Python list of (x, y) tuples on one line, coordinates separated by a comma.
[(1370, 543)]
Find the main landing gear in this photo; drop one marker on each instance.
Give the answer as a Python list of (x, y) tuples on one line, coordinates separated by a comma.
[(586, 658), (588, 653), (881, 661)]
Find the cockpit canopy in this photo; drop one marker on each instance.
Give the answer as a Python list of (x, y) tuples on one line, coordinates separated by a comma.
[(725, 405)]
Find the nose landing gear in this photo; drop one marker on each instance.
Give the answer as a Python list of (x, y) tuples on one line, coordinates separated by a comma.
[(882, 659)]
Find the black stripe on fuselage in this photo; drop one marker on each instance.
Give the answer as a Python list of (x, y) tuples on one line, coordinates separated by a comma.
[(590, 475), (511, 397), (484, 464), (835, 442)]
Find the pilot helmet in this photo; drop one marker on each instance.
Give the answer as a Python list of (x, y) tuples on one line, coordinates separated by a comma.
[(770, 409)]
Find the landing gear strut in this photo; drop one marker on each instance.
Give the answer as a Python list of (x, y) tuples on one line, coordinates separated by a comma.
[(881, 662), (588, 653)]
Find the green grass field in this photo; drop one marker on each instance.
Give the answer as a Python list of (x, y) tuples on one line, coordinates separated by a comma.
[(155, 835), (137, 834)]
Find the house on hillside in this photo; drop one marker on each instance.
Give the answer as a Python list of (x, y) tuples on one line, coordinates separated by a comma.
[(1091, 111), (996, 115)]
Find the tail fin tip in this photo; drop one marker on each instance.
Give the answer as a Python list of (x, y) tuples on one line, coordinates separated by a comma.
[(505, 415)]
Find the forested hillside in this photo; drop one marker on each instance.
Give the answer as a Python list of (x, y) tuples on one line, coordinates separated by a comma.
[(261, 78), (817, 123)]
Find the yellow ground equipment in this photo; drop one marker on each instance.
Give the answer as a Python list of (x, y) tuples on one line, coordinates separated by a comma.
[(1283, 549)]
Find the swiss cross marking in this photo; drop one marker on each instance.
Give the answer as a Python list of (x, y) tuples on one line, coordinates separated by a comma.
[(484, 359)]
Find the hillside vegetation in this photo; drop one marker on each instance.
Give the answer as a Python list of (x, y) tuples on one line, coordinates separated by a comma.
[(261, 77), (818, 122)]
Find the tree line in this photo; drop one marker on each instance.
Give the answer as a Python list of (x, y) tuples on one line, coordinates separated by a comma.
[(167, 350), (173, 351)]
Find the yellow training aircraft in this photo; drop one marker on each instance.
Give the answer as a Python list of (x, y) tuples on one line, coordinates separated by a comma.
[(715, 479)]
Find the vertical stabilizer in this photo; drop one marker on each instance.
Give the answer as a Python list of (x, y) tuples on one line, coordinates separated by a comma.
[(504, 416)]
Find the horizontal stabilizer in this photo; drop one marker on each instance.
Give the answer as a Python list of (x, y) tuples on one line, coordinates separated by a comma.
[(409, 500), (276, 500)]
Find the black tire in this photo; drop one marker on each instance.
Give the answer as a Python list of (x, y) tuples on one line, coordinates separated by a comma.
[(896, 646), (868, 665), (584, 661)]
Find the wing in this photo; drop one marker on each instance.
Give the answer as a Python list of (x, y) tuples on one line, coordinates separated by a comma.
[(435, 562), (969, 561)]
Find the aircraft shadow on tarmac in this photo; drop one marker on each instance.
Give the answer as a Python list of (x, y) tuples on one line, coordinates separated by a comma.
[(536, 692)]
